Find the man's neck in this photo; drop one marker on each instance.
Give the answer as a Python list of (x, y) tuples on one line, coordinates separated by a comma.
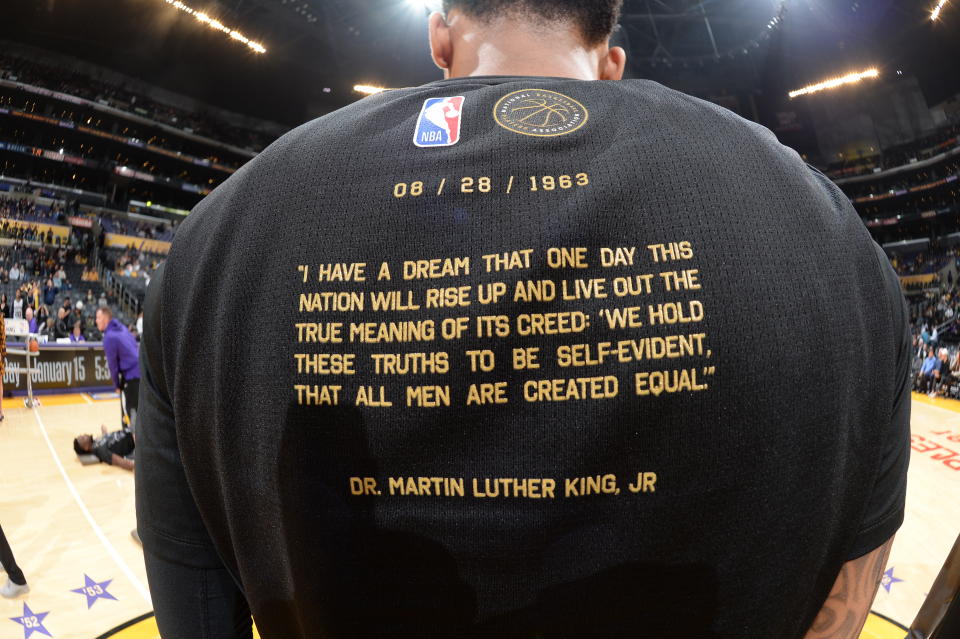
[(497, 63), (517, 51)]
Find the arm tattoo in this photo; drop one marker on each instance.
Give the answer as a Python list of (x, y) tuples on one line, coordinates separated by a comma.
[(845, 610)]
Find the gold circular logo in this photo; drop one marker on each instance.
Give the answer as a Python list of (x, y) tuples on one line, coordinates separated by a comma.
[(539, 113)]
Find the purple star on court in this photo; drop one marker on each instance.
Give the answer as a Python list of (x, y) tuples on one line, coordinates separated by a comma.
[(94, 590), (888, 580), (31, 622)]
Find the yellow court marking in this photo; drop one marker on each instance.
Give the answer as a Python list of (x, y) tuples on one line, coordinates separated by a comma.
[(949, 404), (878, 627), (147, 629), (61, 400)]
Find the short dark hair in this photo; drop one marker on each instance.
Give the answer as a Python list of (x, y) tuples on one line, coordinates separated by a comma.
[(77, 448), (596, 18)]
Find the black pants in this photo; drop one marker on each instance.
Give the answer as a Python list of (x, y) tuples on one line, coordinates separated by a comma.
[(131, 395), (9, 563), (193, 602)]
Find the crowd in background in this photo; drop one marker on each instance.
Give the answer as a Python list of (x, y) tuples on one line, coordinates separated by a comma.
[(923, 262), (134, 268), (920, 149), (26, 210), (35, 287), (136, 228), (936, 360), (22, 209), (120, 97), (909, 179), (51, 282)]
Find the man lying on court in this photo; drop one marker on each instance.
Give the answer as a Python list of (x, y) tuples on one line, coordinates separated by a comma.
[(114, 448), (539, 486)]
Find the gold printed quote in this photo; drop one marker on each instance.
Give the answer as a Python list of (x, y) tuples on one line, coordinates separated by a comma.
[(641, 301)]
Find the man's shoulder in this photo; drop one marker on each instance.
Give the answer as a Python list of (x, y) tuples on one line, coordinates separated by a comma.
[(378, 115), (373, 127), (713, 119)]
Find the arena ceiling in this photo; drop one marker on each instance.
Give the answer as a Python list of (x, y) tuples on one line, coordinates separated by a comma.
[(319, 49)]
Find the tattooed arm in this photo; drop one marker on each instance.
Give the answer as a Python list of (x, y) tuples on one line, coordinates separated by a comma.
[(845, 610)]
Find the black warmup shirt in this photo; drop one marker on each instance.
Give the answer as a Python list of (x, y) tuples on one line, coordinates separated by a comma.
[(552, 358), (119, 442)]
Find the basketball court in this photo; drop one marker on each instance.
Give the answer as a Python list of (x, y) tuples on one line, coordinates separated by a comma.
[(70, 525)]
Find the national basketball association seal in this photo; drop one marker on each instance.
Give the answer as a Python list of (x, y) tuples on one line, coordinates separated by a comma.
[(539, 113)]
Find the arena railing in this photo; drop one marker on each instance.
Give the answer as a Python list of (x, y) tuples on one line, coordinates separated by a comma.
[(128, 301)]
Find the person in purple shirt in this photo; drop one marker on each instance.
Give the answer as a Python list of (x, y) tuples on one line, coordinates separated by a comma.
[(121, 351), (76, 335), (31, 320)]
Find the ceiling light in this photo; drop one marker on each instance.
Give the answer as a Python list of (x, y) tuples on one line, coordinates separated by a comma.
[(835, 82), (213, 23), (369, 90), (936, 11)]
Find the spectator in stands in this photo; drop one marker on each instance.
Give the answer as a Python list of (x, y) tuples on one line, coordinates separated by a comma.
[(121, 351), (114, 448), (76, 335), (43, 314), (49, 328), (4, 306), (941, 373), (90, 300), (926, 377), (15, 273), (34, 297), (50, 292), (17, 305), (102, 302), (62, 329), (31, 320), (923, 342), (90, 327), (67, 304)]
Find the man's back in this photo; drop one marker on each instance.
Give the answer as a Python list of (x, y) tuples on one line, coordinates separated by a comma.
[(615, 362)]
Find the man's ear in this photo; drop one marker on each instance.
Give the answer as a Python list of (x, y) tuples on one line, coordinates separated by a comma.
[(441, 46), (612, 64)]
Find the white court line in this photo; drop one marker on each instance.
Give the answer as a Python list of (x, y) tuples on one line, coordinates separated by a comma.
[(87, 398), (86, 513)]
